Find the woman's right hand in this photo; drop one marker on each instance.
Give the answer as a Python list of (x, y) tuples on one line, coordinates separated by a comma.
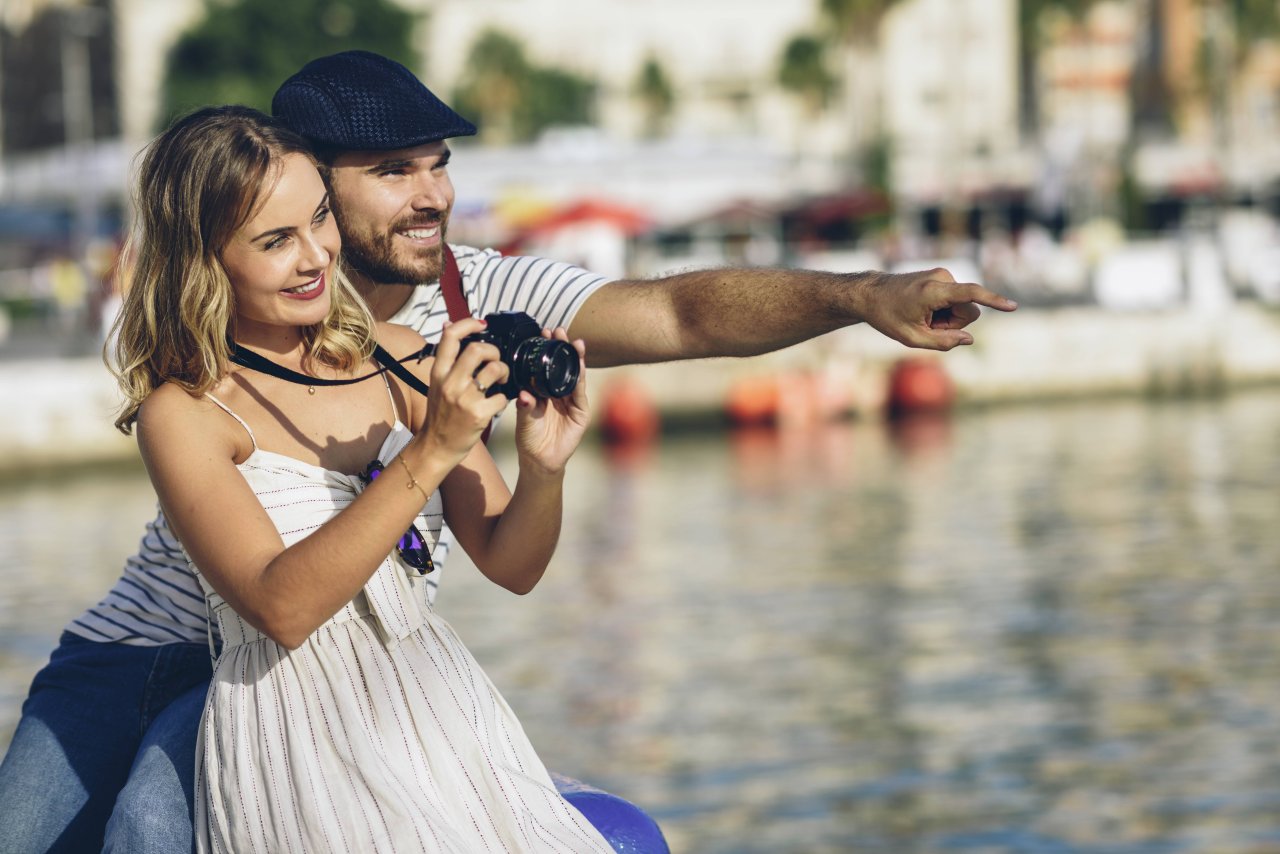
[(458, 410)]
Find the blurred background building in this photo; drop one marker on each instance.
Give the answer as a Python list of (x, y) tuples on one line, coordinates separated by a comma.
[(1025, 140)]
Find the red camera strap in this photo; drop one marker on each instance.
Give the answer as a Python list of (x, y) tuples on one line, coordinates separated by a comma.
[(451, 286), (455, 301)]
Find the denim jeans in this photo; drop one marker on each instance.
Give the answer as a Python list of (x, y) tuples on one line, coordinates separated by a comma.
[(100, 715), (104, 757)]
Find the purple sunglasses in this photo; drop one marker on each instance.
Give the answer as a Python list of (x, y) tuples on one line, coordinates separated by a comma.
[(412, 548)]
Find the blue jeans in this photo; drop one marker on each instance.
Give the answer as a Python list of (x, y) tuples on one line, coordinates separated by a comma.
[(100, 715), (104, 757)]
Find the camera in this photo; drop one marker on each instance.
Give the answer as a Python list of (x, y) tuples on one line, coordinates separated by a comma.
[(541, 366)]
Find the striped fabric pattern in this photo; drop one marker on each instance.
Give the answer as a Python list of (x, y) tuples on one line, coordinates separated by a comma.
[(380, 733), (157, 600)]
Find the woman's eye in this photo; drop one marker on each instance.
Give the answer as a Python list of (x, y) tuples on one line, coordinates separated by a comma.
[(321, 216), (275, 242)]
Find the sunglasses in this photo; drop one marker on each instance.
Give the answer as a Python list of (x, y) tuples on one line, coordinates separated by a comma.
[(412, 547)]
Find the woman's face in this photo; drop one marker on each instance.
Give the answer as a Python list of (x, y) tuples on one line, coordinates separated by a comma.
[(281, 261)]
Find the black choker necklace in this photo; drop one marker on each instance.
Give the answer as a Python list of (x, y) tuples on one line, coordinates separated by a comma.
[(247, 358)]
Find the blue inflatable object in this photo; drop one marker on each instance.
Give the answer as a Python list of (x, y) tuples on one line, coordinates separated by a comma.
[(628, 828)]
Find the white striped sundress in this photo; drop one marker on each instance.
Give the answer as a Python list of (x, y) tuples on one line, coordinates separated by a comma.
[(380, 733)]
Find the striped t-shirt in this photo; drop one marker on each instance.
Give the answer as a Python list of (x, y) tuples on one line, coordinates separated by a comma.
[(158, 600)]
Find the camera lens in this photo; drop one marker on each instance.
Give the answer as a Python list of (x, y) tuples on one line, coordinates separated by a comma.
[(546, 367)]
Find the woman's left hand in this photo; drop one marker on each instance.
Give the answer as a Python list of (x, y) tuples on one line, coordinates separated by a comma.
[(548, 430)]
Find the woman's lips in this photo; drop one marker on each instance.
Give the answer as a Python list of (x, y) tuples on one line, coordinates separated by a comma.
[(310, 290)]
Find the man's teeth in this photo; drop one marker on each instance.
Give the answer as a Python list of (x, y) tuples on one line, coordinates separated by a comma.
[(305, 289), (421, 233)]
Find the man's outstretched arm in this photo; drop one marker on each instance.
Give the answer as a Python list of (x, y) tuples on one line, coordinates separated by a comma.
[(745, 312)]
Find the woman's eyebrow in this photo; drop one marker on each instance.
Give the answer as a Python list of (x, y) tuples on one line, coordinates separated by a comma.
[(272, 232)]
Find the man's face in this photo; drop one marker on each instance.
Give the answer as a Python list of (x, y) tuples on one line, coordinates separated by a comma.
[(392, 209)]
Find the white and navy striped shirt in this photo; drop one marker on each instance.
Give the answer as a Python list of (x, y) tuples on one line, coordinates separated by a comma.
[(158, 600)]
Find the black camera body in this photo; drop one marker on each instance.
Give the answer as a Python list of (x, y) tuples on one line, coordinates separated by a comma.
[(541, 366)]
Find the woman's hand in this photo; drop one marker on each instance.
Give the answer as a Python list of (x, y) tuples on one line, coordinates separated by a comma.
[(458, 410), (548, 430)]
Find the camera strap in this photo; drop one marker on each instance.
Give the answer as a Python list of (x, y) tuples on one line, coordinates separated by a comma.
[(256, 362), (455, 301), (451, 286)]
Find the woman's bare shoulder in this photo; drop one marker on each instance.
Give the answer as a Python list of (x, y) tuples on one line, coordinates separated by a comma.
[(398, 340), (173, 412)]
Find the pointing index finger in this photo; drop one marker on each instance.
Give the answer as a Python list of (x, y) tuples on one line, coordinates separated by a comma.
[(968, 292)]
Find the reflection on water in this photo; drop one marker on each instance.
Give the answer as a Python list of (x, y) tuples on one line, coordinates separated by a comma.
[(1047, 629)]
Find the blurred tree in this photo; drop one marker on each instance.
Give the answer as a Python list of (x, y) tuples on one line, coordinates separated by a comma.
[(1254, 20), (514, 100), (857, 22), (856, 26), (803, 72), (657, 96), (241, 50), (1031, 15), (490, 90), (553, 96)]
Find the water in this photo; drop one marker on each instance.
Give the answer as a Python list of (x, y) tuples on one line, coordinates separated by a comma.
[(1044, 629)]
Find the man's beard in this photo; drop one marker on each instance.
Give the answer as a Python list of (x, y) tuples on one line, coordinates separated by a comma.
[(372, 254)]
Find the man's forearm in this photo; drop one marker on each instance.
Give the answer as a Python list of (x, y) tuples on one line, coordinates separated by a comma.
[(705, 313)]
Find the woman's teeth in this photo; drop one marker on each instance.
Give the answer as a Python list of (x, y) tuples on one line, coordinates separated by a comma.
[(307, 288)]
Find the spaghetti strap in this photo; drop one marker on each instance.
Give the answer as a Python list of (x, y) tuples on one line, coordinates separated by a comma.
[(395, 414), (227, 409)]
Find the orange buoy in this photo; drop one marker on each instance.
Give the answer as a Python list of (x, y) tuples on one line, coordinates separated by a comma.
[(627, 413), (919, 385), (753, 401)]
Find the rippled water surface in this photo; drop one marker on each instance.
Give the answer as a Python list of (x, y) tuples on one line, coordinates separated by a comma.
[(1043, 629)]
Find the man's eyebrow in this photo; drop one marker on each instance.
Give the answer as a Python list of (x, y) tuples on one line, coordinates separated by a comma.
[(389, 164), (406, 163)]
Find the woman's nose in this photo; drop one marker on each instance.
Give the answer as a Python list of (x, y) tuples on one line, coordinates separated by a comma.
[(314, 255)]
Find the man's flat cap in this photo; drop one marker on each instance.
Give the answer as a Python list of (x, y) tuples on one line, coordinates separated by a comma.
[(361, 101)]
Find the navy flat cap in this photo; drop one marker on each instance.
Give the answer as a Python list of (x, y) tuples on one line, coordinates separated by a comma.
[(357, 100)]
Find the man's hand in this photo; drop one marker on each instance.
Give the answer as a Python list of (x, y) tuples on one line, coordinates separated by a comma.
[(927, 310), (548, 430)]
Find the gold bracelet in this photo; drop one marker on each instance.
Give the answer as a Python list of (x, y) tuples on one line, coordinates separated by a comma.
[(413, 481)]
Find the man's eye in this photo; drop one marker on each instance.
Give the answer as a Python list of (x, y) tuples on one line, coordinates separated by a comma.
[(389, 172)]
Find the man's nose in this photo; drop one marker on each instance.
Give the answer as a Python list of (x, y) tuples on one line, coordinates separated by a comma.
[(429, 193)]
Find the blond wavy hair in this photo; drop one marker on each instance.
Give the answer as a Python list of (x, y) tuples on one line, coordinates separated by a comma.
[(200, 181)]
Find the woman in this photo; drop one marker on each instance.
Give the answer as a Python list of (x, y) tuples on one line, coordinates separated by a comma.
[(344, 715)]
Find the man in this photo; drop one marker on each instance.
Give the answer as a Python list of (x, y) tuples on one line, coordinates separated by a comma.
[(382, 135)]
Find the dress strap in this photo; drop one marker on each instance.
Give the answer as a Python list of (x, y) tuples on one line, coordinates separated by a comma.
[(227, 409), (394, 412)]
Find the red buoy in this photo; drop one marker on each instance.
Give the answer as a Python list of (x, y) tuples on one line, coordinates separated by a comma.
[(627, 413), (753, 401), (919, 384)]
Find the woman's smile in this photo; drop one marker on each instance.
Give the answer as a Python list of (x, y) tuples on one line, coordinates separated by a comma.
[(310, 290)]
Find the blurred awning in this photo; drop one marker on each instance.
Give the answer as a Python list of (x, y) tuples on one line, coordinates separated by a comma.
[(624, 218)]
